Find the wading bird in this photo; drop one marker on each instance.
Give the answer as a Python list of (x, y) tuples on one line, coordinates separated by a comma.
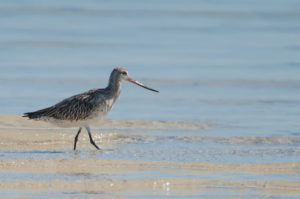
[(83, 109)]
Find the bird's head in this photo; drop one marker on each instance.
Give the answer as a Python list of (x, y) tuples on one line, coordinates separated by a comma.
[(122, 74)]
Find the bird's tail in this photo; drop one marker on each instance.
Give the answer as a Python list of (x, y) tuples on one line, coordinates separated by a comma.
[(37, 114)]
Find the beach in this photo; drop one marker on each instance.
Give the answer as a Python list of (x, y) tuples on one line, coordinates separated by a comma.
[(36, 159)]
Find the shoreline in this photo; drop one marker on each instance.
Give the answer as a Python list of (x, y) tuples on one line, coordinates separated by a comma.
[(67, 171)]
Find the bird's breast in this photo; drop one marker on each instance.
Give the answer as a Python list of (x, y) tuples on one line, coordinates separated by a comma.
[(110, 102)]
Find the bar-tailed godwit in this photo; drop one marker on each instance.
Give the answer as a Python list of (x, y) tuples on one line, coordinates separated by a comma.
[(84, 109)]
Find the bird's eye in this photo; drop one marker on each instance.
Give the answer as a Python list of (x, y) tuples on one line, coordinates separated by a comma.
[(124, 73)]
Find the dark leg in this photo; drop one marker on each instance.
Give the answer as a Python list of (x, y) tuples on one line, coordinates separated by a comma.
[(91, 139), (76, 138)]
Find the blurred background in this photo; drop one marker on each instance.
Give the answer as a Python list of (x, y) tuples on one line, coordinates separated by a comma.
[(230, 63)]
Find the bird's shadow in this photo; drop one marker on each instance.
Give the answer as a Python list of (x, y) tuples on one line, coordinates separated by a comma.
[(92, 153)]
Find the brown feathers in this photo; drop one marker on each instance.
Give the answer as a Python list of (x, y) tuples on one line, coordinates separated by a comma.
[(77, 107)]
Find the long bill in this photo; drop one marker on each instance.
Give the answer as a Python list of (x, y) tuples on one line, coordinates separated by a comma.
[(141, 85)]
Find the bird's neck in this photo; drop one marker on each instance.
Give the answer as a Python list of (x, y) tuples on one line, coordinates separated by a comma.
[(114, 85)]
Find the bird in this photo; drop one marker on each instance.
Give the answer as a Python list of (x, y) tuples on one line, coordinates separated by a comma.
[(84, 109)]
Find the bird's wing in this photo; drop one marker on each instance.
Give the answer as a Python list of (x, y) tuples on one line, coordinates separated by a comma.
[(77, 107)]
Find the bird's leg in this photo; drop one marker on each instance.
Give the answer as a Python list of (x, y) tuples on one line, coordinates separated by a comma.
[(76, 138), (91, 139)]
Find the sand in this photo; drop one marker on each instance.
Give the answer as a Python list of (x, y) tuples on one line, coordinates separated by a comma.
[(107, 178)]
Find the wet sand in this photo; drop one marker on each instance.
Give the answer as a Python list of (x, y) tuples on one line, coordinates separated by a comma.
[(67, 174)]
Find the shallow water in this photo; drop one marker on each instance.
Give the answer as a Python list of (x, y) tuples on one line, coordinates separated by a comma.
[(232, 67)]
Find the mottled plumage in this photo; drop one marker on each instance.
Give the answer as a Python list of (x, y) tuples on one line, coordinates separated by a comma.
[(85, 108), (77, 107)]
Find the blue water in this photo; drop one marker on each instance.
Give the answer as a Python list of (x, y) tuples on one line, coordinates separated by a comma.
[(232, 64)]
